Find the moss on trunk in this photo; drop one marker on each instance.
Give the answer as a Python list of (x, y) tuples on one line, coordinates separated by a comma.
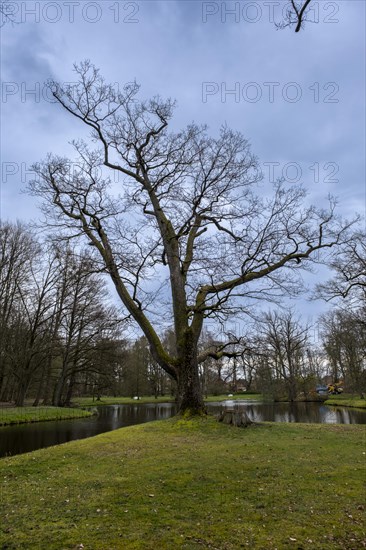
[(190, 395)]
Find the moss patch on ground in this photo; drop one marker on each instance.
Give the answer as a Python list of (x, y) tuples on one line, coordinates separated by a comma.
[(20, 415), (190, 484)]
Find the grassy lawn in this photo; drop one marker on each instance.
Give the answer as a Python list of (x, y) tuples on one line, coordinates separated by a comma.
[(19, 415), (190, 484), (346, 400)]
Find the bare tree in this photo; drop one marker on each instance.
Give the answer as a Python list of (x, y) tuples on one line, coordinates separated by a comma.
[(24, 304), (85, 320), (349, 267), (36, 310), (54, 317), (343, 328), (182, 234), (16, 247), (344, 339), (285, 342)]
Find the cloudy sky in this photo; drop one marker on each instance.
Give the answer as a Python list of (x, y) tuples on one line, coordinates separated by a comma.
[(299, 98)]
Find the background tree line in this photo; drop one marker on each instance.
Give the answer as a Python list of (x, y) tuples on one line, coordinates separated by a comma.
[(62, 338), (57, 327)]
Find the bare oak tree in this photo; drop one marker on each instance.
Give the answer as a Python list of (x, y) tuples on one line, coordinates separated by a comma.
[(174, 218)]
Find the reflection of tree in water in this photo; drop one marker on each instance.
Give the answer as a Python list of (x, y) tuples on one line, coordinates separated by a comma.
[(23, 438), (348, 416), (306, 412)]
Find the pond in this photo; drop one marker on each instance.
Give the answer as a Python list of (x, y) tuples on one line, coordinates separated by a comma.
[(29, 437), (317, 413)]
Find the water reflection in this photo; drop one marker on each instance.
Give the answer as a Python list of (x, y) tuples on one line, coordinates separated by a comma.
[(29, 437), (294, 412), (116, 416)]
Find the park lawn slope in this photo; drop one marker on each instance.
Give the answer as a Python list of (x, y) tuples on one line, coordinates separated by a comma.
[(20, 415), (190, 484)]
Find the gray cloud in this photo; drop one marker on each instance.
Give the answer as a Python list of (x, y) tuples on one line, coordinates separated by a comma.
[(174, 48)]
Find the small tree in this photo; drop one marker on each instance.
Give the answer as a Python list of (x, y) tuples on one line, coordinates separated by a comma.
[(344, 340), (27, 282), (18, 248), (85, 321), (183, 216), (284, 343), (344, 328)]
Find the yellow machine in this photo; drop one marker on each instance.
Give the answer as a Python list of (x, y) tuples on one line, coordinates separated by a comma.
[(335, 389)]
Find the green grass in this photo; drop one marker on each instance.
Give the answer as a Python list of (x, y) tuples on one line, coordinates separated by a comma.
[(20, 415), (88, 401), (190, 484), (346, 400), (236, 396)]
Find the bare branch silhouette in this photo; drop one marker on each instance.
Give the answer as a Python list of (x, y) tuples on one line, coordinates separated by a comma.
[(295, 16)]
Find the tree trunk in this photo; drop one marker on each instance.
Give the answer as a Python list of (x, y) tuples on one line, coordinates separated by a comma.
[(22, 391), (57, 396), (48, 375), (70, 389), (292, 389), (7, 389), (41, 385), (47, 384), (190, 396)]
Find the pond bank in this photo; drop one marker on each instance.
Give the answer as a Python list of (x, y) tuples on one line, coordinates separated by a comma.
[(30, 437), (346, 401), (28, 414), (23, 415), (190, 484)]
